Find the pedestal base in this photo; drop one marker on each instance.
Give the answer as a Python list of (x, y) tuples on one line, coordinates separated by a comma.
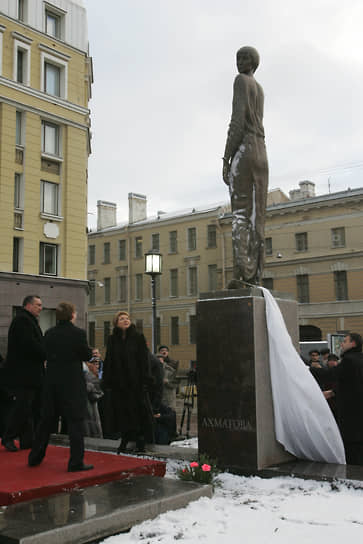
[(235, 409)]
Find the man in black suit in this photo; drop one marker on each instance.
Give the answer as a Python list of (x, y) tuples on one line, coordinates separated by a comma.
[(23, 373), (349, 395), (65, 388)]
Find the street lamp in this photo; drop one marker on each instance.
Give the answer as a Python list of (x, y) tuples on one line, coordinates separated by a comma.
[(153, 263)]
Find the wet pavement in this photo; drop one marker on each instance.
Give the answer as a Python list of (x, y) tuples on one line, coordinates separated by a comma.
[(86, 515)]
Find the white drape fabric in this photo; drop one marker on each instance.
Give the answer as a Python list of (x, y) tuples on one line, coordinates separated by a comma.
[(304, 423)]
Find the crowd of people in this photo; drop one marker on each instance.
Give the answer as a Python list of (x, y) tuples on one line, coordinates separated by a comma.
[(57, 383), (341, 381)]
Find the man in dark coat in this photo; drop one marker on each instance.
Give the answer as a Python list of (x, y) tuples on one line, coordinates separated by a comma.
[(24, 370), (64, 388), (349, 377)]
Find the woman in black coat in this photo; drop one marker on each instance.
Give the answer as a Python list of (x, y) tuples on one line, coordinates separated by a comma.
[(126, 373)]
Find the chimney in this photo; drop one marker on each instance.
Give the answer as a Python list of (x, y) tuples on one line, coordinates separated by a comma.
[(307, 190), (137, 207), (106, 214)]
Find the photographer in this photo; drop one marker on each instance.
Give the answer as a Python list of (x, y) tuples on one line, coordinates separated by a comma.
[(169, 383), (92, 422), (96, 357)]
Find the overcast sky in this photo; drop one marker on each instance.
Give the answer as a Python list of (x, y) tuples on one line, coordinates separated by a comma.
[(162, 95)]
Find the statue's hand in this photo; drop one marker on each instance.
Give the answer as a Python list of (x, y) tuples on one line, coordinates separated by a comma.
[(226, 169)]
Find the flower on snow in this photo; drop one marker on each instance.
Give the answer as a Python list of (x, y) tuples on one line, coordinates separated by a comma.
[(194, 465), (206, 468)]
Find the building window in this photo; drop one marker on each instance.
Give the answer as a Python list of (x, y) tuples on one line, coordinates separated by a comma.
[(212, 235), (173, 241), (22, 8), (17, 254), (20, 126), (192, 238), (138, 287), (53, 24), (122, 250), (338, 237), (192, 329), (106, 331), (123, 289), (91, 254), (1, 50), (192, 281), (174, 282), (54, 75), (20, 66), (18, 201), (302, 284), (91, 333), (49, 197), (212, 277), (52, 79), (139, 324), (138, 247), (92, 293), (155, 242), (18, 220), (48, 260), (301, 241), (50, 138), (175, 330), (21, 72), (106, 253), (341, 285), (18, 192), (268, 283), (268, 246), (107, 290)]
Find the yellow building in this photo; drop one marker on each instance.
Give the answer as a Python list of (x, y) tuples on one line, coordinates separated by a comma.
[(314, 250), (45, 86)]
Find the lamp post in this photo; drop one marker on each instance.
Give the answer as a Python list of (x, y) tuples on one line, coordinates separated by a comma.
[(153, 264)]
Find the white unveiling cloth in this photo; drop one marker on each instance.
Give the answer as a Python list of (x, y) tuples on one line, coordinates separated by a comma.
[(304, 423)]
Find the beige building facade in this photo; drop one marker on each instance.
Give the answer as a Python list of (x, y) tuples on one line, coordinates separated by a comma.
[(45, 86), (188, 242), (314, 251)]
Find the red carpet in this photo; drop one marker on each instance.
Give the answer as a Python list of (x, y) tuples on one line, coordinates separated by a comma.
[(18, 482)]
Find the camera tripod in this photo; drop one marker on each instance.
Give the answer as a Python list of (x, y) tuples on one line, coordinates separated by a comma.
[(188, 402)]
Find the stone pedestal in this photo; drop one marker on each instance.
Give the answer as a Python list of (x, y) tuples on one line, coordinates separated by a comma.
[(235, 409)]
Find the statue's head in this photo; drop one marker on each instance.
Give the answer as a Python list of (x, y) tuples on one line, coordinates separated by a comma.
[(248, 60)]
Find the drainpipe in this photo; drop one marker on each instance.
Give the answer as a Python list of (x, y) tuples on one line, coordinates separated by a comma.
[(223, 249)]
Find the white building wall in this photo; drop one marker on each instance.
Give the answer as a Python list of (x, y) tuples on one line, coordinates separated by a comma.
[(75, 18)]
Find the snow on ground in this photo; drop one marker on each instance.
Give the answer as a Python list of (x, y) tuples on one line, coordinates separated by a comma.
[(253, 510), (187, 443)]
